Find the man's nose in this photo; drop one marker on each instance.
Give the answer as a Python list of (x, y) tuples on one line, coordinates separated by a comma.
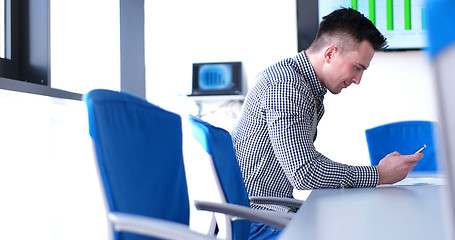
[(356, 79)]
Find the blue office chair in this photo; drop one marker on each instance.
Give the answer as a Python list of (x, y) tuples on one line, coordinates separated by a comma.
[(405, 137), (217, 142), (138, 150)]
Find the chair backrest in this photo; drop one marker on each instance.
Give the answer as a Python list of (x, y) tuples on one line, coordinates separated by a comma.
[(405, 137), (138, 148), (217, 142)]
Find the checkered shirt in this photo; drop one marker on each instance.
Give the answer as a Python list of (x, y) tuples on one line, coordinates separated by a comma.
[(274, 136)]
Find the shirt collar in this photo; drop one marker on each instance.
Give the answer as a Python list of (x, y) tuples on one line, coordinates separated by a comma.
[(308, 73)]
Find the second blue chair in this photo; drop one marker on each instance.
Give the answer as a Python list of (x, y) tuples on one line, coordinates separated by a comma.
[(235, 203), (405, 137)]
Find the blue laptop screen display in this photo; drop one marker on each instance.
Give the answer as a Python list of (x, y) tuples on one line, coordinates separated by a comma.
[(217, 78)]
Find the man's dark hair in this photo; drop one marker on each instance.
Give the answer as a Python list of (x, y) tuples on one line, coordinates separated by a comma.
[(347, 21)]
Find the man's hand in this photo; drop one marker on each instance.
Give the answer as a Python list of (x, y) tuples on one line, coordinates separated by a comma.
[(395, 167)]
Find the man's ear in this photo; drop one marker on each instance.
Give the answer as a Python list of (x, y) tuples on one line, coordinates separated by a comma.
[(329, 53)]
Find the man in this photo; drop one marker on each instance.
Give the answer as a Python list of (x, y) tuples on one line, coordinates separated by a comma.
[(274, 137)]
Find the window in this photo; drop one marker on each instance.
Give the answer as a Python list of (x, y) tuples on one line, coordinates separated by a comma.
[(2, 29), (85, 45), (9, 34), (89, 52)]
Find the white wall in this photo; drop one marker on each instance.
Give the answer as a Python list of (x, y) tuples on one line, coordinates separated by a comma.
[(256, 32)]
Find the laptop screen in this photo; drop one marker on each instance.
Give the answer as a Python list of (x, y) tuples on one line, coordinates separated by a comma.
[(217, 78)]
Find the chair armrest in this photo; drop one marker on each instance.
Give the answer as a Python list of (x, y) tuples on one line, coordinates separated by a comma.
[(152, 227), (275, 219), (287, 202)]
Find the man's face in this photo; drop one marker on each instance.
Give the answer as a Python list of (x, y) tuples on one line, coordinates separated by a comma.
[(341, 70)]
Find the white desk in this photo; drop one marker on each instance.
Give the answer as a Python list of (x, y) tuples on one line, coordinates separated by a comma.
[(386, 212)]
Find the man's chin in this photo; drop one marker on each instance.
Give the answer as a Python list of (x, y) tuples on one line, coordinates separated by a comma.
[(336, 91)]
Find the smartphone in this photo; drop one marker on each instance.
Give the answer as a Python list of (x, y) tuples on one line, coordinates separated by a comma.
[(420, 149)]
